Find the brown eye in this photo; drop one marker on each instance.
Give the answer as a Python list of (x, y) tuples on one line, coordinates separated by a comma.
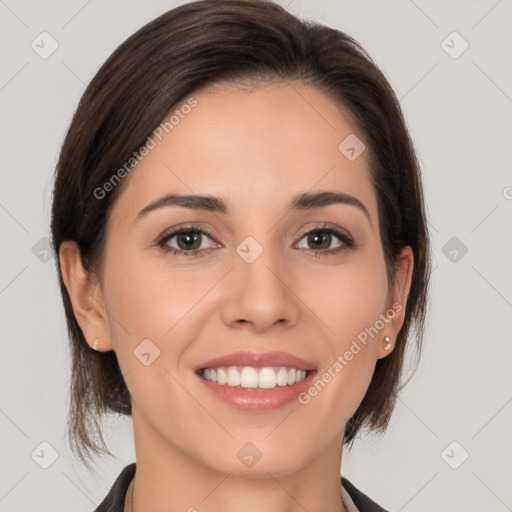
[(188, 242), (320, 240)]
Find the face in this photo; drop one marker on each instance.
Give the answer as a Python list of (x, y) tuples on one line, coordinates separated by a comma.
[(260, 274)]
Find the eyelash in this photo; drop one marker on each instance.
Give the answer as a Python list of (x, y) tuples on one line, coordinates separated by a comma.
[(348, 242)]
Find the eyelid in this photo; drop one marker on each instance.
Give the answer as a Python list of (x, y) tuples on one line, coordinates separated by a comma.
[(327, 226), (175, 230)]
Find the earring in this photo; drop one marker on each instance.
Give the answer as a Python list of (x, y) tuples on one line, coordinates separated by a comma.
[(96, 344), (387, 339)]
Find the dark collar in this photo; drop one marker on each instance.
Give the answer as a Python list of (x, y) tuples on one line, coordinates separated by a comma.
[(361, 501), (114, 501)]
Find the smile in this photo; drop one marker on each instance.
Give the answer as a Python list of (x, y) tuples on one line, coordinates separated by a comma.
[(253, 382), (249, 377)]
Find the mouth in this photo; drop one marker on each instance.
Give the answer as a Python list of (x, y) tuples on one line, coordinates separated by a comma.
[(250, 377), (256, 382)]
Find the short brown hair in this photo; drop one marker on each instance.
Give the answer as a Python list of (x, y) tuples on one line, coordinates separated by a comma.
[(180, 52)]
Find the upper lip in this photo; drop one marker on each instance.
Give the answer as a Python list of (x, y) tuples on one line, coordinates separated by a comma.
[(258, 360)]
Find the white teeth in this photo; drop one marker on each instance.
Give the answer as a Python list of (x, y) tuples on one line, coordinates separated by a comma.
[(267, 378), (222, 378), (282, 377), (233, 377), (249, 377)]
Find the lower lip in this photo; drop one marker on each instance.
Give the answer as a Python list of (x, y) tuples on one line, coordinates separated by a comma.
[(258, 400)]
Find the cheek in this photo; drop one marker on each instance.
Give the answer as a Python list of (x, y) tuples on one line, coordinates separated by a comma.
[(349, 302), (167, 305), (149, 299), (151, 316), (348, 298)]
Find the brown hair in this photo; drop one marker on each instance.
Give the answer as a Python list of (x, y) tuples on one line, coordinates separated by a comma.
[(188, 48)]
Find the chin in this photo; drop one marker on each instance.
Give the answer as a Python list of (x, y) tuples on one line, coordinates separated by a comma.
[(251, 462)]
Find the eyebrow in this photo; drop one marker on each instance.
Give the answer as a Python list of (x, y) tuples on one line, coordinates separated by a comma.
[(305, 201)]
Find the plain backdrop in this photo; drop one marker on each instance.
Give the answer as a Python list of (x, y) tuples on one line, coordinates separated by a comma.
[(448, 447)]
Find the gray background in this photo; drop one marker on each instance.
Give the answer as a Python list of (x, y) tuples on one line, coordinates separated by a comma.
[(459, 114)]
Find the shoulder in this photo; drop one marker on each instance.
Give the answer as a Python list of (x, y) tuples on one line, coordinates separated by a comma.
[(362, 502), (114, 501)]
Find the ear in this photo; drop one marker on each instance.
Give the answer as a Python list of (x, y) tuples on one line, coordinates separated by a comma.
[(397, 301), (86, 297)]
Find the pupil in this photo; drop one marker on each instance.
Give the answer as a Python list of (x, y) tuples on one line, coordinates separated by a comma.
[(315, 237), (189, 237)]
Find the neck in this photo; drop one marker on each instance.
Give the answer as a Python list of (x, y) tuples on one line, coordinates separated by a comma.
[(169, 479)]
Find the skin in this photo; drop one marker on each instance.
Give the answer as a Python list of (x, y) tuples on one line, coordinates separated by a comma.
[(255, 149)]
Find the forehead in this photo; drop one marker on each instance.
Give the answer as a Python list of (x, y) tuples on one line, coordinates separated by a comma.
[(256, 148)]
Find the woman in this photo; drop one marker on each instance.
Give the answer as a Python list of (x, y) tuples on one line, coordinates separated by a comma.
[(242, 244)]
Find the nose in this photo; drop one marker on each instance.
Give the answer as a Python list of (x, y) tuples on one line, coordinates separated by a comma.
[(261, 294)]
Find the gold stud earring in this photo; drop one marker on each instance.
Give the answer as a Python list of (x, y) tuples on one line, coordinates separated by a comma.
[(96, 344), (387, 339)]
